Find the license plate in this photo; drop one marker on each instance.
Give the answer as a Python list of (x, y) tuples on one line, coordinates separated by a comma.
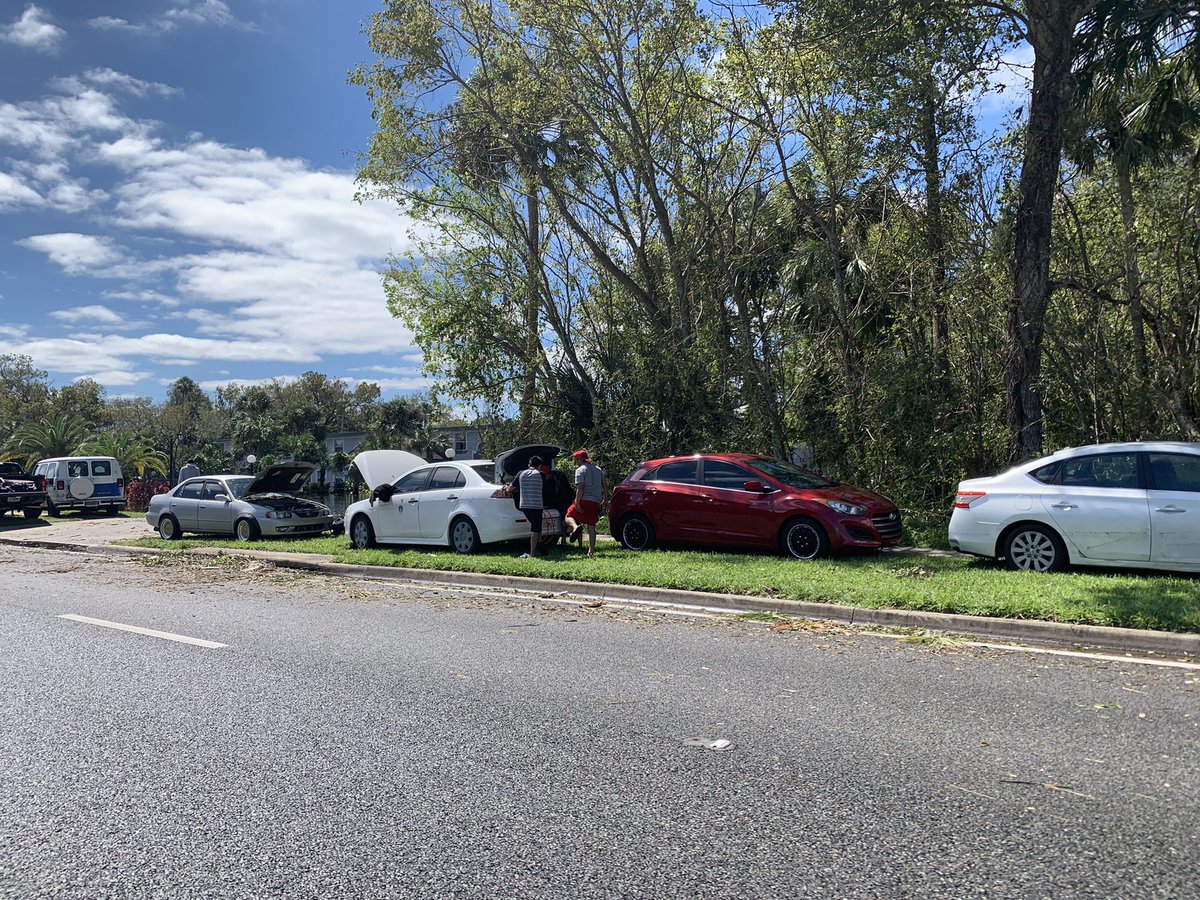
[(14, 499), (91, 502)]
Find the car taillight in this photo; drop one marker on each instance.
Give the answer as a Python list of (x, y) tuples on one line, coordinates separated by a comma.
[(964, 499), (120, 484), (59, 486)]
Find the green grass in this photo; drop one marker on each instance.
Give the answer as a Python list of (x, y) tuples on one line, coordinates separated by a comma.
[(941, 584)]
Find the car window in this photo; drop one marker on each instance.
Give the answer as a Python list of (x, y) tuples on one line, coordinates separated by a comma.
[(1045, 474), (681, 472), (486, 471), (1108, 470), (446, 477), (211, 489), (718, 474), (189, 490), (412, 482), (77, 470), (1175, 472), (101, 467), (791, 475)]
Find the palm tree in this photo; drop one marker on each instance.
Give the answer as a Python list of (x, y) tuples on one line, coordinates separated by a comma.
[(48, 439), (131, 451)]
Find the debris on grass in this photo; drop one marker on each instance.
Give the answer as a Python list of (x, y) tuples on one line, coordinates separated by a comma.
[(913, 572)]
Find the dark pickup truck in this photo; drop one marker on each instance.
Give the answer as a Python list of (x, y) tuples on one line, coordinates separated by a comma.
[(19, 491)]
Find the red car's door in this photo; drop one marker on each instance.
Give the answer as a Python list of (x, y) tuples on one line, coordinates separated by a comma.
[(733, 514), (672, 500)]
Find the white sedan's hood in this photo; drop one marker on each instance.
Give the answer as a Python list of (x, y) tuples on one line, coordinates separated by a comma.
[(385, 466)]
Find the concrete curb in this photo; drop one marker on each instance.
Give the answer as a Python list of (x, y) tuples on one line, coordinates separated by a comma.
[(1138, 640)]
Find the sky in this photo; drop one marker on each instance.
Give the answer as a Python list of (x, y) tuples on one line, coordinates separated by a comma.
[(176, 195)]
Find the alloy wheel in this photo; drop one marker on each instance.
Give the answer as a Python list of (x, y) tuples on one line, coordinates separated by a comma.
[(1033, 550)]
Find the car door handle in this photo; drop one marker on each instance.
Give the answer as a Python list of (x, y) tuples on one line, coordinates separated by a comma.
[(1169, 509), (414, 500), (1064, 505), (452, 497)]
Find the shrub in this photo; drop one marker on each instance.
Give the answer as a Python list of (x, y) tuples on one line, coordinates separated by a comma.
[(138, 494)]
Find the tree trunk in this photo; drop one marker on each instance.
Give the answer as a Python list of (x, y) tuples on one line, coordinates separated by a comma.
[(533, 287), (1051, 30), (1133, 275), (935, 243)]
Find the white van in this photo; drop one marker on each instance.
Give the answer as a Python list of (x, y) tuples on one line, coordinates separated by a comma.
[(82, 482)]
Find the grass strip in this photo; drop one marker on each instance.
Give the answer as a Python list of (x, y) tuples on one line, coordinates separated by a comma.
[(938, 584)]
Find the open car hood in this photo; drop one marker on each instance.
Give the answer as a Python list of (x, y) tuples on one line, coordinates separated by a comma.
[(511, 462), (283, 478), (385, 466)]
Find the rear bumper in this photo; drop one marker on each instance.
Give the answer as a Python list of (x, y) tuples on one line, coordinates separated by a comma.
[(93, 503)]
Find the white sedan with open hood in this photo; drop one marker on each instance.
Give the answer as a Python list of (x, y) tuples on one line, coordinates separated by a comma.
[(245, 506), (457, 504)]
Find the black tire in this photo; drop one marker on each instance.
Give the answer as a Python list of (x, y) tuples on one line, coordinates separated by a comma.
[(804, 538), (636, 533), (32, 512), (245, 530), (51, 509), (464, 536), (1034, 548), (362, 534), (168, 528), (113, 510)]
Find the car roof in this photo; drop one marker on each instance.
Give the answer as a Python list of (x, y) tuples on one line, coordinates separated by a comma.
[(726, 457), (1127, 447)]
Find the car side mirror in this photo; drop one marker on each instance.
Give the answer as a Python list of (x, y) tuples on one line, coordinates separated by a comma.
[(756, 486), (224, 497)]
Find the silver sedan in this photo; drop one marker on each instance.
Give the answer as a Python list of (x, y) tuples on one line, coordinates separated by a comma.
[(245, 506)]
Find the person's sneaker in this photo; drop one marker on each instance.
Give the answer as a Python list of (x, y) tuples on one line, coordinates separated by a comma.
[(577, 535), (524, 556)]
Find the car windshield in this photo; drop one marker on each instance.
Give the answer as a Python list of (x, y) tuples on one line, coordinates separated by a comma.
[(793, 476), (239, 485)]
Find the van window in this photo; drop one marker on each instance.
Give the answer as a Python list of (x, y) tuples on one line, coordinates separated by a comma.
[(101, 467), (77, 469)]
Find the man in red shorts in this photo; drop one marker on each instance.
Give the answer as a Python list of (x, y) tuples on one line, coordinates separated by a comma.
[(589, 489)]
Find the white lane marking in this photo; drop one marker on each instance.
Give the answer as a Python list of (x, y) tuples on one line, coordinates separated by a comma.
[(1083, 654), (165, 635)]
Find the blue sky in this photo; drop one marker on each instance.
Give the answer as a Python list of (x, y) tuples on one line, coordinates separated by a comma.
[(176, 184)]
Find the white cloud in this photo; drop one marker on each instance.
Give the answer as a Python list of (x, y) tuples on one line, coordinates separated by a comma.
[(14, 193), (112, 79), (14, 331), (33, 31), (76, 253), (182, 13), (91, 315)]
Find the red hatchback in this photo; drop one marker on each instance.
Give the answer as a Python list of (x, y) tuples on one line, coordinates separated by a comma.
[(737, 499)]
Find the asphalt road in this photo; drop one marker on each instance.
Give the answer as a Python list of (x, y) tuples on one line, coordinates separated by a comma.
[(381, 740)]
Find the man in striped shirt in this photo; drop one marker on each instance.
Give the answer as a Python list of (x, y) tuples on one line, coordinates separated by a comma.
[(529, 486)]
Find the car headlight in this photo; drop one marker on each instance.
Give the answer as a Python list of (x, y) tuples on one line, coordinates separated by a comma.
[(846, 509)]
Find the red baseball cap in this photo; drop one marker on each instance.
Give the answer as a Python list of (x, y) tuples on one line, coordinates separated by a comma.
[(580, 455)]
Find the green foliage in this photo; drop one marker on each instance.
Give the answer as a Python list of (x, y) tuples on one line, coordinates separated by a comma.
[(135, 456), (32, 441)]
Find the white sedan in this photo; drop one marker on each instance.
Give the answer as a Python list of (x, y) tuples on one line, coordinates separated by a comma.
[(1130, 505), (453, 503)]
